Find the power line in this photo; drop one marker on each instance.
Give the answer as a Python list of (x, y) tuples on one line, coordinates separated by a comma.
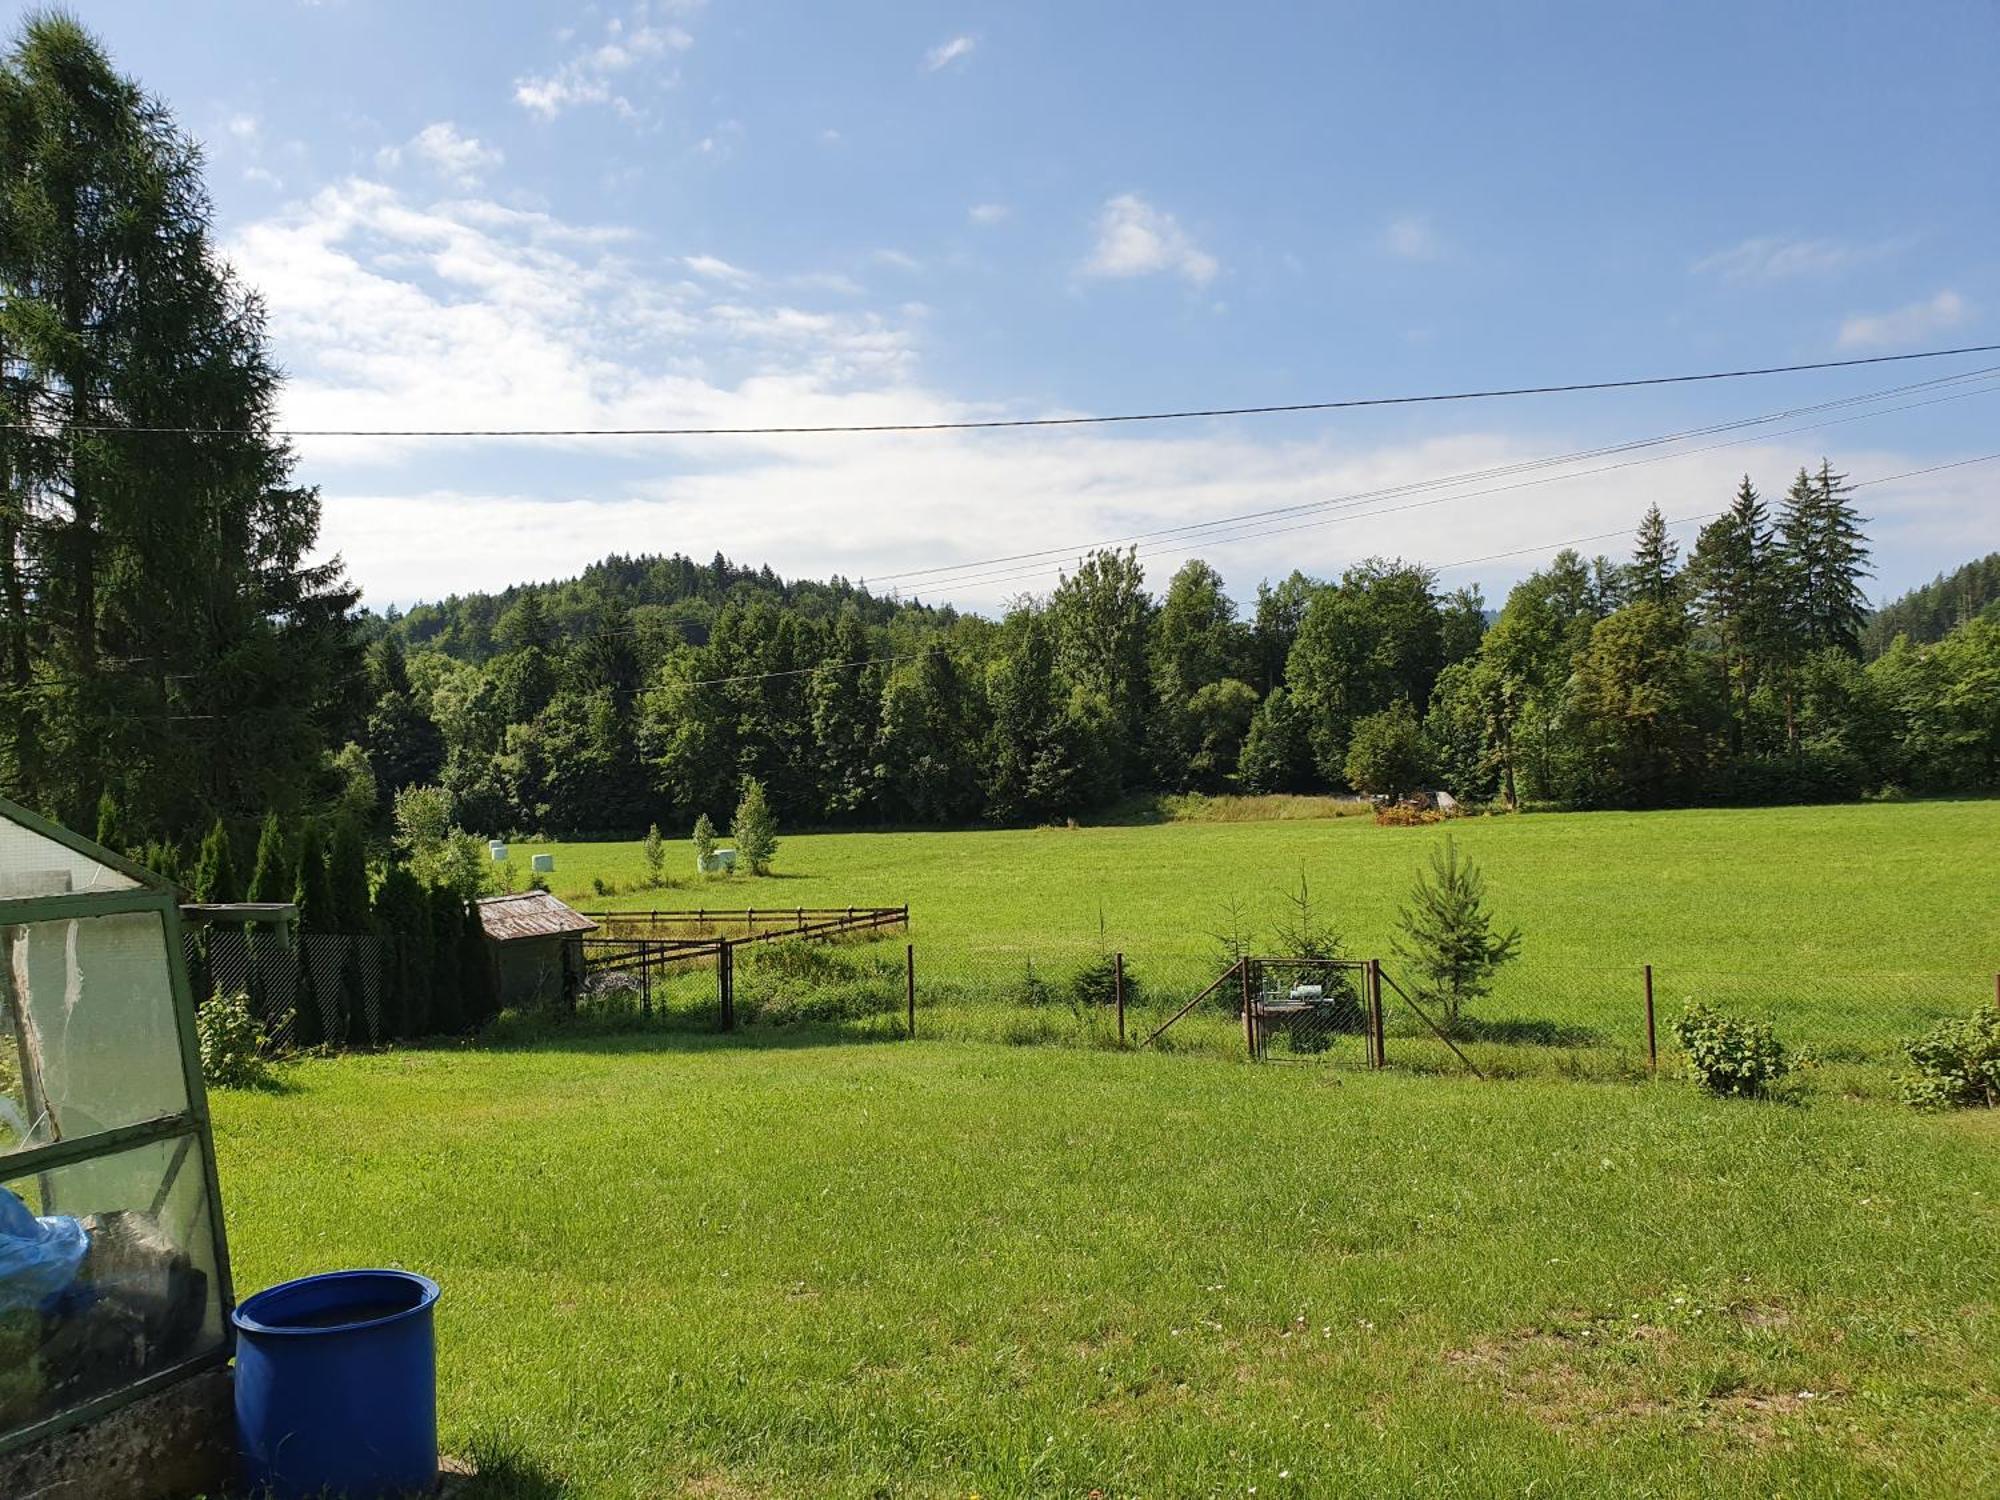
[(1419, 486), (1257, 533), (999, 423)]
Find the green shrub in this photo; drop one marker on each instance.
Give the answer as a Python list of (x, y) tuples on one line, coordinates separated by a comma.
[(1096, 984), (1957, 1063), (1032, 990), (232, 1043), (1727, 1056)]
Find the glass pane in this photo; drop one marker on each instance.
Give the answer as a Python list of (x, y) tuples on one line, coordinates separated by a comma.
[(31, 865), (86, 1004), (107, 1274)]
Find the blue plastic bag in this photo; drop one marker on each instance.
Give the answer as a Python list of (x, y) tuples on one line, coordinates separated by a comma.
[(39, 1258)]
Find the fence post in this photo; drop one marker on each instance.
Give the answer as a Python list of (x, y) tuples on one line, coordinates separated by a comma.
[(1652, 1038), (645, 983), (910, 984), (1118, 987), (1249, 1019), (1375, 1038), (725, 981)]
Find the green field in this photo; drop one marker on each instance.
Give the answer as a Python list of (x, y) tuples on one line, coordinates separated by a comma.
[(1849, 926), (775, 1267)]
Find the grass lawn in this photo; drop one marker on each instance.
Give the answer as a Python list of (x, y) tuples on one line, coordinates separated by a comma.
[(678, 1265), (1849, 926)]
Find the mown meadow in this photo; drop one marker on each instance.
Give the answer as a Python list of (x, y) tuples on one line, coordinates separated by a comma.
[(790, 1264), (1850, 927)]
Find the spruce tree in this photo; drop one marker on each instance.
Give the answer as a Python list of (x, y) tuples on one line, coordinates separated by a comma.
[(110, 822), (656, 855), (1824, 557), (1447, 935), (1735, 579), (704, 843), (347, 880), (319, 966), (1653, 576)]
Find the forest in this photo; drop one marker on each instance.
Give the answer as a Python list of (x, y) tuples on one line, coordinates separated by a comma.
[(174, 653)]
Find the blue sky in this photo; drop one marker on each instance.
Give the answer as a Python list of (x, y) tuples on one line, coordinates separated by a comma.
[(667, 212)]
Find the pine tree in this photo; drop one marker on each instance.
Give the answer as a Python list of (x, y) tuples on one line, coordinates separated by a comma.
[(1447, 935), (656, 855), (704, 843), (319, 976), (447, 920), (1652, 575), (754, 829)]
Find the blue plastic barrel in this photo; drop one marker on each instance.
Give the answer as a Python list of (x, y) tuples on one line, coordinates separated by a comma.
[(336, 1386)]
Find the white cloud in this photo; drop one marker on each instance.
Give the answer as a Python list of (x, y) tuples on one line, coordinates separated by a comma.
[(987, 213), (946, 53), (717, 269), (245, 127), (460, 160), (1775, 258), (1136, 239), (1906, 325), (588, 76), (1412, 238), (902, 260), (475, 314)]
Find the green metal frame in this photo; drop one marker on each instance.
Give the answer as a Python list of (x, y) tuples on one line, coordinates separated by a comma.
[(154, 894)]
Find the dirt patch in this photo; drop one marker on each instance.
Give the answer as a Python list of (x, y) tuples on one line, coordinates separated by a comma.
[(1601, 1372)]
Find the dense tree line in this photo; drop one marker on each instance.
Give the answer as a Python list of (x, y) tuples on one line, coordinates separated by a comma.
[(1734, 673), (1932, 612)]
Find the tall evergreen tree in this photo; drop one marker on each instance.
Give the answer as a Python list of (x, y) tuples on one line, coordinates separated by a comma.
[(1824, 556), (1653, 575), (1735, 578), (347, 880), (272, 878), (153, 591), (215, 868)]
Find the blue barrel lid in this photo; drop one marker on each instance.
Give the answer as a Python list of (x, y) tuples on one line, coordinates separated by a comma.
[(302, 1308)]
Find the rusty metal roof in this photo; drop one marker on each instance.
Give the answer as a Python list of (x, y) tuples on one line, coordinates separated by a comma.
[(529, 914)]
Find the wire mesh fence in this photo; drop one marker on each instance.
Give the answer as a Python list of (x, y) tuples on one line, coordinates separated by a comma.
[(866, 973)]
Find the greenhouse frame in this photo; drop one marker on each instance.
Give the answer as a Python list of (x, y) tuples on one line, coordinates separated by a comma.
[(114, 1271)]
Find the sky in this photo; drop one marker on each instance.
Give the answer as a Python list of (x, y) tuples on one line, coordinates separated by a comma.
[(734, 213)]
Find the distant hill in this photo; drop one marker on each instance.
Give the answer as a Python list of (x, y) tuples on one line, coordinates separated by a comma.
[(1933, 611)]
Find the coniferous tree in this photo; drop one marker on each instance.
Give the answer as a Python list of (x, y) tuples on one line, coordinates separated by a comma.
[(110, 822), (1736, 582), (1824, 556), (1653, 575), (272, 878), (1447, 935), (215, 868), (130, 569)]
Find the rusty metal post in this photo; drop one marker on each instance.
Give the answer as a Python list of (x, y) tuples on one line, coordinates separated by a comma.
[(1118, 987), (910, 984), (1652, 1037), (725, 980), (645, 982), (1249, 1017), (1381, 1055)]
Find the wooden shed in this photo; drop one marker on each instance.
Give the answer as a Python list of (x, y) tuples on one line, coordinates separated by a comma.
[(536, 961)]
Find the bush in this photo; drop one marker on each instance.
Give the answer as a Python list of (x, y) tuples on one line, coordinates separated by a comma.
[(1727, 1056), (1957, 1063), (1407, 815), (1096, 984), (232, 1043), (1032, 991)]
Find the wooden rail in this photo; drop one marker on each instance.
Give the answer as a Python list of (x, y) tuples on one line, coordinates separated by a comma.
[(666, 938)]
